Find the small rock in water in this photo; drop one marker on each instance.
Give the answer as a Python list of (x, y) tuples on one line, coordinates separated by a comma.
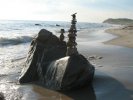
[(38, 24), (57, 25)]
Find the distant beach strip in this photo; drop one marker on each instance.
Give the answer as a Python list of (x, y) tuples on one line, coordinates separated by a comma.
[(124, 33)]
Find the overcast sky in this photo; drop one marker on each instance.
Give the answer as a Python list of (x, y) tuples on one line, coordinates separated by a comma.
[(60, 10)]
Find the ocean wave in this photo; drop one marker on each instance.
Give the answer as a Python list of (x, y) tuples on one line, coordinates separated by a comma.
[(15, 40)]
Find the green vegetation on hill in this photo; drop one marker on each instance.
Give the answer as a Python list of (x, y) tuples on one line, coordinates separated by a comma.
[(119, 21)]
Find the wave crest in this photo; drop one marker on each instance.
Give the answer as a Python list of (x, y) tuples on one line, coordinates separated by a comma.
[(15, 40)]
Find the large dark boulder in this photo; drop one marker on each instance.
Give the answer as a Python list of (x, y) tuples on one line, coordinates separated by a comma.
[(45, 48), (48, 64)]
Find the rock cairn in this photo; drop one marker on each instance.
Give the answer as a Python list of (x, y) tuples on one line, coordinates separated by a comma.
[(71, 44)]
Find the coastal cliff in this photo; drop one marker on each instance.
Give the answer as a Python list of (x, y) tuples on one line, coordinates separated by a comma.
[(119, 21)]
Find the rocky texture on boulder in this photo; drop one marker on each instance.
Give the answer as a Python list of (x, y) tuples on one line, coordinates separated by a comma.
[(48, 64), (68, 73), (45, 48)]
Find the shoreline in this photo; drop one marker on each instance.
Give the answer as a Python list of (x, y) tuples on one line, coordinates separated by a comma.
[(124, 36), (111, 75)]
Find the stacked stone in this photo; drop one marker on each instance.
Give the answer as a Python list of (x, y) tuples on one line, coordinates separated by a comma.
[(71, 44), (62, 35)]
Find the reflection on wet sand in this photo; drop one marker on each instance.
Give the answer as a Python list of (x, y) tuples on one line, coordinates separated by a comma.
[(109, 88), (78, 94), (104, 88)]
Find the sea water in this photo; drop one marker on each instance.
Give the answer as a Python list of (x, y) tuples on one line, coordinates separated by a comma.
[(15, 38)]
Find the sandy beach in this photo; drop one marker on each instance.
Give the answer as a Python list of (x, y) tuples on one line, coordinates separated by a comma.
[(124, 36)]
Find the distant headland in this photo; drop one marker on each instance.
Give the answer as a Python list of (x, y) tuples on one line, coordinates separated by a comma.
[(119, 21)]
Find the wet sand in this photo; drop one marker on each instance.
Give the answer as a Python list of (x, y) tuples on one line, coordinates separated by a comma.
[(112, 81), (124, 36)]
